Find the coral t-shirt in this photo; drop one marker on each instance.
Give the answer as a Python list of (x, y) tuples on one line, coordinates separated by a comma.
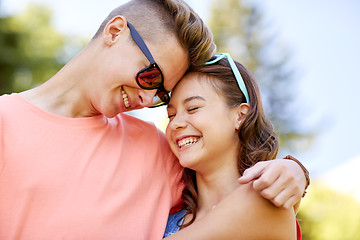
[(83, 178)]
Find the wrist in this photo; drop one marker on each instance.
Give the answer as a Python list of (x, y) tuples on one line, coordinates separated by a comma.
[(306, 172)]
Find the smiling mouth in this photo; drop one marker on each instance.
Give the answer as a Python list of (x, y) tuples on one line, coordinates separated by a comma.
[(187, 141), (125, 98)]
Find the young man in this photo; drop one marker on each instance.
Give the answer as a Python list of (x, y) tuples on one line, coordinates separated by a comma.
[(73, 166)]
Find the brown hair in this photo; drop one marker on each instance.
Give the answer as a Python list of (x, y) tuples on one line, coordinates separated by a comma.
[(258, 141), (155, 19)]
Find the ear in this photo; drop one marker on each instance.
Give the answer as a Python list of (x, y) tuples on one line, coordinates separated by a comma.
[(241, 112), (113, 29)]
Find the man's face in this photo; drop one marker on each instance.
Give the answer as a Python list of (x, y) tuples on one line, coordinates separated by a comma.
[(172, 60), (121, 91)]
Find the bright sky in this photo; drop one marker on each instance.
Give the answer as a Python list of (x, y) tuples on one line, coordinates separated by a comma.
[(324, 36)]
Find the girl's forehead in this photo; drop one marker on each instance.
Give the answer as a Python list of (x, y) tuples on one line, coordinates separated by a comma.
[(192, 86), (189, 84)]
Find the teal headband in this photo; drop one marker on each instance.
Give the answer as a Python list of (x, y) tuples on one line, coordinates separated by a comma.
[(235, 71)]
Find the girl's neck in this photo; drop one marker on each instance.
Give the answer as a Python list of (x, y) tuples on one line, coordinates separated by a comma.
[(214, 187)]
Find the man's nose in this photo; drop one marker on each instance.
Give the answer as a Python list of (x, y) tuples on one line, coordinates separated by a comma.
[(147, 97)]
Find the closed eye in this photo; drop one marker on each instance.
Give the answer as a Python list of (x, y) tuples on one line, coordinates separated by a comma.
[(193, 109), (171, 116)]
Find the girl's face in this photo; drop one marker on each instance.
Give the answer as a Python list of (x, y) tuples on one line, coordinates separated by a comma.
[(202, 128)]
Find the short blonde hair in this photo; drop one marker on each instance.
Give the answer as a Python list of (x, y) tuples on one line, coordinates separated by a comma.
[(156, 19)]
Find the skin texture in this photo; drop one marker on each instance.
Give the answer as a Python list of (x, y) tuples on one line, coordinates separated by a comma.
[(197, 112)]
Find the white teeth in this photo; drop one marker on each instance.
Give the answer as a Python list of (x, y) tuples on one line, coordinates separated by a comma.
[(187, 141), (125, 98)]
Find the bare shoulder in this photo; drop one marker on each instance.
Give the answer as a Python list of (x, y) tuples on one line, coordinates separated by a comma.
[(262, 219), (243, 214)]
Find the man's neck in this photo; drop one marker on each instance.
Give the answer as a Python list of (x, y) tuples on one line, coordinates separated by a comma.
[(59, 96), (65, 94)]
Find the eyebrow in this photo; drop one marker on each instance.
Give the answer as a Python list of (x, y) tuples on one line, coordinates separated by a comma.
[(193, 98), (190, 99)]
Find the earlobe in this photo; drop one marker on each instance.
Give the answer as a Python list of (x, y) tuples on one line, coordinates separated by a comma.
[(113, 29)]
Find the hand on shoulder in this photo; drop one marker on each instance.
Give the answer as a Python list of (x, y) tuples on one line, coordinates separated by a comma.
[(254, 217)]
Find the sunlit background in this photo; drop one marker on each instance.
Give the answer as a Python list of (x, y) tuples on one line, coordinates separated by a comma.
[(305, 55)]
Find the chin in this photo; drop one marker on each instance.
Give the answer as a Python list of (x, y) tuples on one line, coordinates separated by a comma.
[(187, 163)]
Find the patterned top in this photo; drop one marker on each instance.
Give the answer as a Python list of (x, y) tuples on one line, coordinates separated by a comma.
[(174, 220)]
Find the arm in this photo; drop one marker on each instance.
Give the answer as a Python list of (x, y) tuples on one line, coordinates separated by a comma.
[(255, 218), (282, 181)]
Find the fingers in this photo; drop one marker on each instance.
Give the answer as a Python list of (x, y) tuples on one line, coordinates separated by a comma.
[(278, 186), (252, 173), (284, 199), (268, 181), (275, 181), (289, 203)]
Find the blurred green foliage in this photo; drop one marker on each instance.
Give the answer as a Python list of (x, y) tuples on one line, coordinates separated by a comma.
[(32, 51), (329, 215)]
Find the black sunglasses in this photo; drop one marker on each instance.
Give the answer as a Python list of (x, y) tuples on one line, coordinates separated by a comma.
[(150, 77)]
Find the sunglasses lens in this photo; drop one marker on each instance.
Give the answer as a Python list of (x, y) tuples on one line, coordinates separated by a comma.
[(161, 98), (150, 78)]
